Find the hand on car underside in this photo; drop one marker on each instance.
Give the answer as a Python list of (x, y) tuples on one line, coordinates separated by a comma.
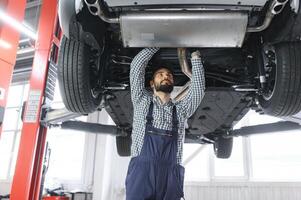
[(195, 54)]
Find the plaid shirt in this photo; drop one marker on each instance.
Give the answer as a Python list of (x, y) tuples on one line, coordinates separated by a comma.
[(162, 113)]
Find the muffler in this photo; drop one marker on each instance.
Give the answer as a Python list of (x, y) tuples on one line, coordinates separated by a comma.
[(183, 29)]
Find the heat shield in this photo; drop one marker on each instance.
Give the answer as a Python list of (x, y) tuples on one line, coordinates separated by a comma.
[(183, 29)]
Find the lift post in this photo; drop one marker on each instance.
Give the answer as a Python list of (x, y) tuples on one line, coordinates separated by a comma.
[(27, 178), (9, 40)]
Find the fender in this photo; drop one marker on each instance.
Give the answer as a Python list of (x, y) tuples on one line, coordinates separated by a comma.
[(67, 11)]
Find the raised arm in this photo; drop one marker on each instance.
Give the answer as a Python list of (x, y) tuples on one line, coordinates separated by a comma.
[(137, 73), (195, 93)]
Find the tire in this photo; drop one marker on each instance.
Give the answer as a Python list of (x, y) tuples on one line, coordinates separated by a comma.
[(223, 147), (75, 77), (123, 144), (285, 96)]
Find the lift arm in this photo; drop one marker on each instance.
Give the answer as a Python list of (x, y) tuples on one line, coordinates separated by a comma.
[(27, 177)]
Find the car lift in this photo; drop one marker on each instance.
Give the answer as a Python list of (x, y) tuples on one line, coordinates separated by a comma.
[(27, 178), (8, 54), (38, 115)]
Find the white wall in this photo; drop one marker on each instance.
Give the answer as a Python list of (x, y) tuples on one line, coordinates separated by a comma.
[(243, 191), (5, 187), (110, 169), (218, 191)]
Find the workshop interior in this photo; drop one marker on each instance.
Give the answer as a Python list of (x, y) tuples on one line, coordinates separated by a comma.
[(66, 111)]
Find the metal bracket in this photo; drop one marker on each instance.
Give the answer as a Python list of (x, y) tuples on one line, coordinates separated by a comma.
[(93, 128), (264, 128), (244, 131), (56, 116), (63, 118)]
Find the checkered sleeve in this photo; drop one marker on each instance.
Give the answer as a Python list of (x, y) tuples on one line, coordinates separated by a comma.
[(137, 73), (195, 94)]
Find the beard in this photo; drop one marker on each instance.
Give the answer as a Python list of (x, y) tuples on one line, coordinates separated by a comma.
[(166, 88)]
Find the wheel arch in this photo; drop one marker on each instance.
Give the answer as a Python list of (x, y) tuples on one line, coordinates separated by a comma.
[(67, 10)]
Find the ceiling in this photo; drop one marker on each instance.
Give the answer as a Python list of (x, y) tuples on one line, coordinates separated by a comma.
[(25, 52)]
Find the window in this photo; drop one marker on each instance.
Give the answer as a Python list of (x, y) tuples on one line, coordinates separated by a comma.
[(265, 157), (67, 153), (67, 147), (277, 156), (6, 143), (67, 150), (10, 136), (196, 162)]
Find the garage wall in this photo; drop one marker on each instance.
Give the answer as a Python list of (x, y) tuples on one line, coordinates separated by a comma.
[(222, 191), (109, 168), (243, 191), (4, 187)]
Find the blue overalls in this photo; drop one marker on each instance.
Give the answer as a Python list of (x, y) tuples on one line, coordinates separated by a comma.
[(155, 174)]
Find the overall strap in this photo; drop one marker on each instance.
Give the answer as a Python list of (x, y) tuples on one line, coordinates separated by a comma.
[(149, 116), (175, 120)]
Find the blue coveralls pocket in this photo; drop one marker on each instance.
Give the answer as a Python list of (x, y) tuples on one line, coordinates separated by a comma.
[(179, 172)]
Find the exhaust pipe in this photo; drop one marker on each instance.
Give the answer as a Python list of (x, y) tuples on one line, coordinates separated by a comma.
[(186, 70), (275, 8), (183, 62), (98, 8)]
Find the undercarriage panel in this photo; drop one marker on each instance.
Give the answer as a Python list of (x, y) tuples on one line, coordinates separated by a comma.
[(218, 110)]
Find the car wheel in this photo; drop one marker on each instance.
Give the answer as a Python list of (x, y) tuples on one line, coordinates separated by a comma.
[(78, 76), (123, 144), (282, 94), (223, 147)]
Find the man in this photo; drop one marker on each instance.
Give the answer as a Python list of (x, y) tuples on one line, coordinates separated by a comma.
[(155, 171)]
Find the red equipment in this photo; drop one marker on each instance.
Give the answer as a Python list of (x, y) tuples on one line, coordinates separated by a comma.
[(9, 39), (27, 177)]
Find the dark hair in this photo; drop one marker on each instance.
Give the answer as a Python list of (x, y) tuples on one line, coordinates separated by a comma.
[(161, 65)]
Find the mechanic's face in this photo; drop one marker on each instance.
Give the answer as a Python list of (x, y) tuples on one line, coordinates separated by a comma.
[(162, 81)]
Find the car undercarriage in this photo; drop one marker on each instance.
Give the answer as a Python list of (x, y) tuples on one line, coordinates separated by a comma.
[(249, 52)]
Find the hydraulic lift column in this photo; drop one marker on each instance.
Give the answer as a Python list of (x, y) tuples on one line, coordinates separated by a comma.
[(27, 177), (9, 40)]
